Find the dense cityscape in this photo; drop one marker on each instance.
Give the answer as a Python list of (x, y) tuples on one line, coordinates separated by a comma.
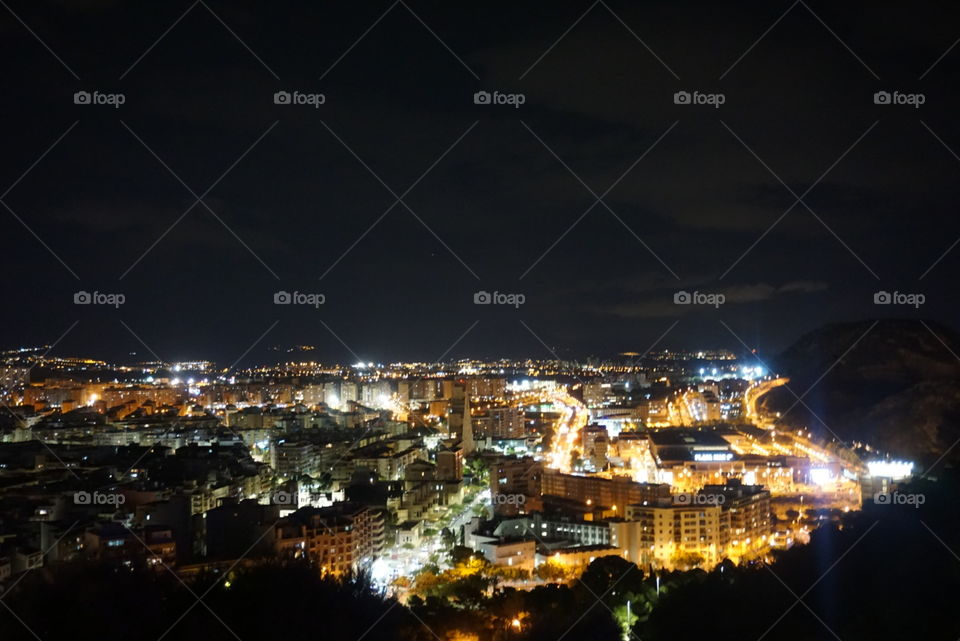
[(414, 320), (459, 479)]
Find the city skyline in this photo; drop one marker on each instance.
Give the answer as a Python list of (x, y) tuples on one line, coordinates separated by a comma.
[(432, 321)]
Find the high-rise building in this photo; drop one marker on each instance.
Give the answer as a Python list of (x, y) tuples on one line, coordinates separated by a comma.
[(506, 422), (339, 539)]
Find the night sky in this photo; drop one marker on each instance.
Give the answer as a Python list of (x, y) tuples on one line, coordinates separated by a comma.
[(494, 197)]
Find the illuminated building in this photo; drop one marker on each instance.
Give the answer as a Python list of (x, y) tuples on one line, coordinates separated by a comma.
[(291, 459), (505, 422), (340, 538), (612, 494), (510, 553), (386, 459), (450, 463), (484, 388), (546, 529), (578, 557), (730, 521), (513, 476), (595, 393)]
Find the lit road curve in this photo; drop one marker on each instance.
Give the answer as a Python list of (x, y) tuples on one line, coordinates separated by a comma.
[(753, 395), (568, 429)]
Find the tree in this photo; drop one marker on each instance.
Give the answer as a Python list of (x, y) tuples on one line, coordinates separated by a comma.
[(614, 576), (550, 571), (448, 537), (461, 554), (687, 560), (427, 583), (510, 573)]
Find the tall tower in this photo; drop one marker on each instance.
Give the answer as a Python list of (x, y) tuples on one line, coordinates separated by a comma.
[(466, 431), (458, 417)]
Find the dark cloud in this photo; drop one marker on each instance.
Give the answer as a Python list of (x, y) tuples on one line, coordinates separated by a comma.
[(704, 209)]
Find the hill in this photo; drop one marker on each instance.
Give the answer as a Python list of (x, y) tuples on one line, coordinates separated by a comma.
[(894, 384)]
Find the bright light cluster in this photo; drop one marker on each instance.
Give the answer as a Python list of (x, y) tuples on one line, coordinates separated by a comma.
[(894, 470)]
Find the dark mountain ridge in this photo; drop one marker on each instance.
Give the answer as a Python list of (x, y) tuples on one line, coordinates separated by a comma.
[(894, 384)]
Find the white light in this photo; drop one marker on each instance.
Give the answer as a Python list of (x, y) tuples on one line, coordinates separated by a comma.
[(822, 476), (713, 457), (894, 470)]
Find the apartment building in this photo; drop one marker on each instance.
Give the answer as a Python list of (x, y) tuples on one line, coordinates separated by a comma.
[(721, 521), (338, 538)]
